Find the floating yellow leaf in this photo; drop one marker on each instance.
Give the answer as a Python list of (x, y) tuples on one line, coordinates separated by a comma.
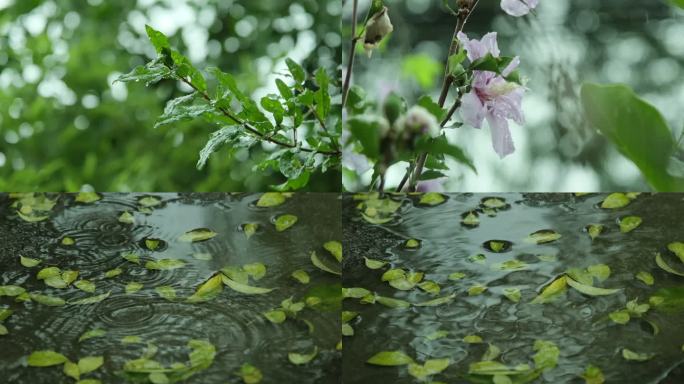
[(244, 288), (196, 235)]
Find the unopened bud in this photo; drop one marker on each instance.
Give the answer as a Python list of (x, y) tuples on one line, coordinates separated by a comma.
[(377, 28)]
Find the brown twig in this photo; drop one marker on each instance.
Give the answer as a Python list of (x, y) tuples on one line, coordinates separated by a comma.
[(352, 55)]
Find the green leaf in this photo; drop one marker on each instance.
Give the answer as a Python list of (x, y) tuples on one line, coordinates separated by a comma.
[(131, 257), (92, 334), (355, 292), (127, 218), (335, 248), (226, 135), (441, 146), (244, 288), (472, 339), (374, 264), (271, 199), (429, 368), (551, 291), (28, 262), (300, 359), (628, 354), (133, 287), (250, 374), (620, 317), (113, 273), (438, 301), (320, 265), (390, 359), (666, 267), (493, 368), (593, 375), (296, 71), (50, 301), (90, 300), (432, 199), (196, 235), (629, 223), (457, 276), (182, 109), (11, 290), (301, 276), (589, 290), (166, 292), (284, 222), (164, 264), (158, 39), (151, 73), (208, 290), (46, 359), (513, 294), (85, 286), (71, 369), (87, 197), (546, 356), (276, 316), (391, 302), (615, 201), (636, 128), (594, 230), (90, 364), (678, 249), (367, 133), (544, 236), (645, 277)]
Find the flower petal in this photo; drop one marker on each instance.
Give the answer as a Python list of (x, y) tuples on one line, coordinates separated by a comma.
[(473, 111), (501, 135), (518, 8)]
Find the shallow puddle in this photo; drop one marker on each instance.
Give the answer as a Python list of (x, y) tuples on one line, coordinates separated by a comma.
[(137, 248), (491, 264)]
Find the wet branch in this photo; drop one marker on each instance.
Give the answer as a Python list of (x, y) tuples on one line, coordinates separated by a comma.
[(352, 54)]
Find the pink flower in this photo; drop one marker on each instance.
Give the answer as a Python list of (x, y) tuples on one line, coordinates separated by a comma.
[(492, 97), (518, 8)]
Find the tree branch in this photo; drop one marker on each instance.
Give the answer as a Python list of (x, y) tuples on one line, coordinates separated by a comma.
[(352, 55)]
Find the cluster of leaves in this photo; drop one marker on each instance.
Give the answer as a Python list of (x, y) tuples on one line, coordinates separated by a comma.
[(304, 121)]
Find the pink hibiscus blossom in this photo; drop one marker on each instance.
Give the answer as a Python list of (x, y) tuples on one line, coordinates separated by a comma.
[(519, 8), (492, 97)]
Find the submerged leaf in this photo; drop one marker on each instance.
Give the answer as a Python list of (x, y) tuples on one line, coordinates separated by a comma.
[(196, 235), (628, 354), (615, 200), (589, 290), (547, 354), (46, 359), (513, 294), (300, 359), (166, 291), (244, 288), (133, 287), (390, 359), (284, 222), (593, 375), (472, 339)]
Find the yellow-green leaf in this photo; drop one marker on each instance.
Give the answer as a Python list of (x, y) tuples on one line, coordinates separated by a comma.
[(90, 363), (319, 264), (665, 267), (284, 222), (208, 290), (87, 197), (628, 354), (552, 290), (629, 223), (589, 290), (166, 292), (92, 334), (390, 359), (678, 249), (127, 218), (432, 199), (85, 286), (244, 288), (46, 358), (133, 287), (645, 277), (271, 199), (300, 359), (335, 249), (250, 374), (301, 276), (615, 200), (28, 262), (195, 235)]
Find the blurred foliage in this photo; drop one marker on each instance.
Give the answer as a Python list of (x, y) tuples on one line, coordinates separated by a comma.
[(66, 126)]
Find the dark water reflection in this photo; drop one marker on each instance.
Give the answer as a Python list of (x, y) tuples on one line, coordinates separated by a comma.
[(578, 324), (233, 322)]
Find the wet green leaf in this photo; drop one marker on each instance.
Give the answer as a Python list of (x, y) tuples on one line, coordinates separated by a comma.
[(628, 354), (166, 292), (412, 244), (159, 378), (149, 201), (5, 313), (87, 197), (131, 257), (55, 282), (374, 264), (594, 230), (544, 236), (620, 317), (593, 375), (392, 302), (48, 272), (89, 381), (319, 264), (457, 276), (512, 265), (236, 273), (551, 291), (196, 235), (347, 330), (472, 339), (335, 249), (491, 353), (429, 368), (432, 199), (250, 374), (276, 316), (492, 368), (90, 300), (616, 200), (393, 274), (250, 229), (28, 262), (133, 287), (546, 356), (50, 301), (284, 222), (355, 293), (127, 218), (11, 290), (301, 276), (208, 290), (300, 359), (131, 340), (513, 294), (501, 379), (152, 244), (165, 264), (93, 333), (470, 219), (599, 271), (479, 259), (476, 290), (589, 290), (494, 203), (71, 369), (3, 330), (429, 287), (678, 249), (636, 309), (271, 199), (666, 267), (244, 288), (438, 301), (69, 276), (645, 277), (436, 335), (255, 270), (46, 358), (113, 273), (68, 241), (629, 223), (90, 364), (390, 359), (85, 286)]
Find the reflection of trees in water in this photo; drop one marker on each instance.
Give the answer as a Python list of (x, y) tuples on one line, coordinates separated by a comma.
[(564, 44)]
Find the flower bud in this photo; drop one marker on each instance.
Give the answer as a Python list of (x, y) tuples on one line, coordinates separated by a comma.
[(394, 107), (377, 28), (420, 120)]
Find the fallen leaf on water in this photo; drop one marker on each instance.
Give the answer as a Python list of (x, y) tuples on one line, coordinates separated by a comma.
[(166, 292), (629, 223), (390, 359), (127, 218), (250, 229), (589, 290), (544, 236), (593, 375), (11, 290), (28, 262), (244, 288), (133, 287), (615, 200), (250, 374), (85, 286), (50, 301), (271, 199), (300, 359), (284, 222), (319, 264), (552, 290), (196, 235), (208, 290), (645, 277), (90, 363), (87, 197), (92, 334), (429, 368), (472, 339), (628, 354), (335, 249), (46, 358), (301, 276), (438, 301), (666, 267)]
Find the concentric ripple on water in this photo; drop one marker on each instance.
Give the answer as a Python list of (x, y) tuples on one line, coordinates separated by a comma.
[(233, 322)]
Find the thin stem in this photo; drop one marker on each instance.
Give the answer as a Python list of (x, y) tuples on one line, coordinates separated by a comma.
[(352, 51), (253, 130), (325, 127)]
